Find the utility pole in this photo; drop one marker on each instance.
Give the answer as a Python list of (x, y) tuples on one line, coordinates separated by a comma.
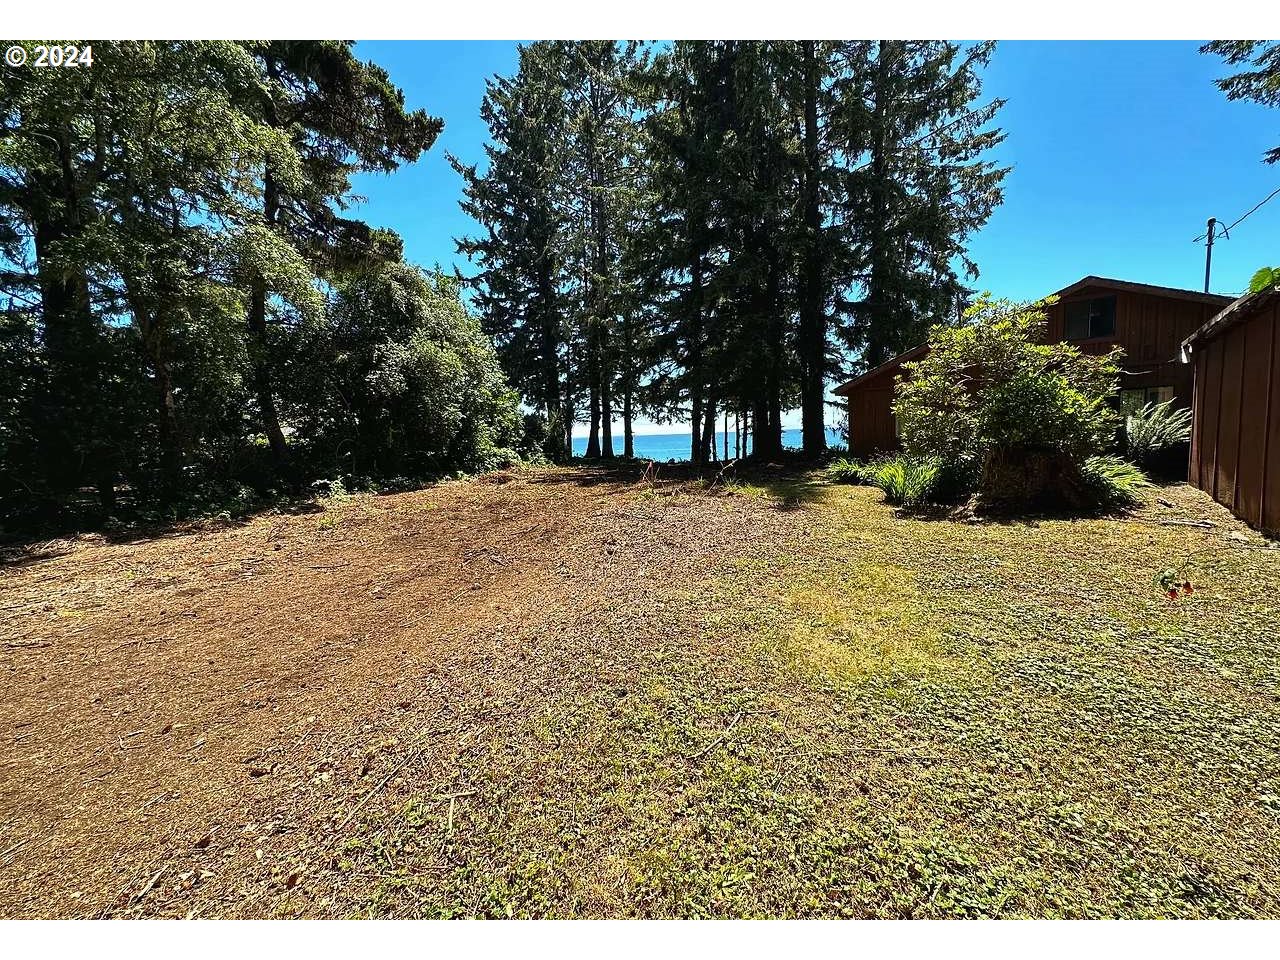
[(1208, 251)]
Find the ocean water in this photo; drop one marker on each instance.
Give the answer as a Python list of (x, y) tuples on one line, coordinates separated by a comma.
[(675, 446)]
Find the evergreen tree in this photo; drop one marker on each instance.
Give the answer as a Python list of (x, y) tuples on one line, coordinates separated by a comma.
[(811, 79), (342, 116), (910, 121), (150, 205), (776, 193), (1260, 83), (105, 171), (521, 258), (596, 77)]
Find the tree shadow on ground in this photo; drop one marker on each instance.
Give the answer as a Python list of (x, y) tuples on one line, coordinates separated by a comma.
[(790, 485), (794, 492)]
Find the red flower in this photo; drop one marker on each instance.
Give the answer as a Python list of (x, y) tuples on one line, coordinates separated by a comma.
[(1187, 589), (1173, 593)]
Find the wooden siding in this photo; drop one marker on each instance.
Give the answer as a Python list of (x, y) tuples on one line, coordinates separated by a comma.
[(1149, 329), (1235, 442), (872, 427)]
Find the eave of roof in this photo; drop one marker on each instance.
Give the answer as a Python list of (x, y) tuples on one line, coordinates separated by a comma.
[(845, 388), (1239, 310), (1215, 299)]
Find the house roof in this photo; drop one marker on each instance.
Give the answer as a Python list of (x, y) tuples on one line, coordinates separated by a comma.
[(846, 388), (1237, 312), (1084, 283), (1176, 293)]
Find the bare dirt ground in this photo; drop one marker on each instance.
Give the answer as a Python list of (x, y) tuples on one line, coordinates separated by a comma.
[(178, 705), (575, 693)]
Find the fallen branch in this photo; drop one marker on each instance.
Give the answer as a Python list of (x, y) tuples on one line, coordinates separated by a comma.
[(720, 739), (150, 885), (15, 848), (385, 780), (365, 799), (728, 465)]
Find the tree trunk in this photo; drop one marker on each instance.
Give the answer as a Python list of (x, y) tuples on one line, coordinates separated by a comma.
[(769, 440), (696, 373), (759, 416), (813, 328), (628, 436), (695, 428), (259, 351), (606, 406), (566, 429), (151, 327), (1017, 479), (560, 418), (878, 321), (628, 386), (709, 432), (593, 394), (64, 422), (70, 417), (260, 374)]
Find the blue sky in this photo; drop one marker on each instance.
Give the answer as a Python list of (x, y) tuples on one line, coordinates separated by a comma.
[(1120, 151)]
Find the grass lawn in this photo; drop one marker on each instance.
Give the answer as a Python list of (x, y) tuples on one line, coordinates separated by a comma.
[(576, 693)]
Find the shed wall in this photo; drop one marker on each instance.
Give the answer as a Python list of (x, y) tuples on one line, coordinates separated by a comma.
[(1235, 443)]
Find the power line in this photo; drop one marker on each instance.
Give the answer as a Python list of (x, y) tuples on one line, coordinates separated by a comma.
[(1227, 230)]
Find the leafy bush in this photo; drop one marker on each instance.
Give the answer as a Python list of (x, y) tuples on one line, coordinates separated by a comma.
[(1003, 411), (906, 482), (1113, 481), (401, 381), (1154, 430), (1264, 279)]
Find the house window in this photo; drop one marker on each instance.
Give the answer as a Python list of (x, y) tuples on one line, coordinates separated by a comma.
[(1131, 401), (1087, 319)]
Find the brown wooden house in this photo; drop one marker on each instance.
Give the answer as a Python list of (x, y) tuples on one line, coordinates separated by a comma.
[(1235, 434), (1095, 314)]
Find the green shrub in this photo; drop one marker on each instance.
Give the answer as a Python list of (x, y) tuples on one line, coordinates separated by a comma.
[(1113, 482), (1154, 430), (906, 482), (991, 400), (400, 380)]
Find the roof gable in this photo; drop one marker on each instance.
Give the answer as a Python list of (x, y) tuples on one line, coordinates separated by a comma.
[(1128, 286), (889, 365)]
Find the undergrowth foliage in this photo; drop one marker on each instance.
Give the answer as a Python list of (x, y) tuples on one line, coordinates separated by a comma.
[(905, 481), (1113, 481), (1155, 429)]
